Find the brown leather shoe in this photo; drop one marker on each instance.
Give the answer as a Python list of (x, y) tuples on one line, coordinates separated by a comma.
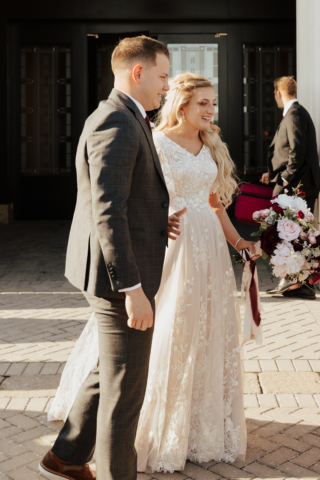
[(54, 468)]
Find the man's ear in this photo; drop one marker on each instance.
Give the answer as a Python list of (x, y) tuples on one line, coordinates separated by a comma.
[(136, 74)]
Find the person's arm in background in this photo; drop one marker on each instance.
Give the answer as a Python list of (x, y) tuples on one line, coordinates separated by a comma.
[(297, 135)]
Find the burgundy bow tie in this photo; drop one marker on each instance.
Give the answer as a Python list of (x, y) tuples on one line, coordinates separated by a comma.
[(147, 119)]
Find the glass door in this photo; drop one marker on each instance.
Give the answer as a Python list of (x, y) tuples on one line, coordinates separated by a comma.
[(202, 54)]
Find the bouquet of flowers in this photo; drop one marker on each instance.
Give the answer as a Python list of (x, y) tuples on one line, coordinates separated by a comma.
[(289, 238)]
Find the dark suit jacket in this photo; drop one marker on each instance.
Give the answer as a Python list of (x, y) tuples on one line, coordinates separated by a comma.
[(119, 230), (293, 153)]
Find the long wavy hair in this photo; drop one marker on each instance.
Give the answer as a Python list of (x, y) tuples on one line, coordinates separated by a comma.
[(182, 88)]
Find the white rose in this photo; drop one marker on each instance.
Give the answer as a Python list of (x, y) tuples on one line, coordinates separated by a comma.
[(295, 262), (280, 271), (284, 200), (300, 204)]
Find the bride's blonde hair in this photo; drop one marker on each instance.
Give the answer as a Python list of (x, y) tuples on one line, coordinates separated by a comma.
[(182, 88)]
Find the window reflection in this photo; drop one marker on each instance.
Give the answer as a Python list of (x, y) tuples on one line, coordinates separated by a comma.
[(198, 58)]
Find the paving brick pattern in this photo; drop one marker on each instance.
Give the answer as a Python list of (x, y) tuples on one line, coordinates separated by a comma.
[(42, 316)]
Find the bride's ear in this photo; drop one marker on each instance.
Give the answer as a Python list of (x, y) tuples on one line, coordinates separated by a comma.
[(182, 115)]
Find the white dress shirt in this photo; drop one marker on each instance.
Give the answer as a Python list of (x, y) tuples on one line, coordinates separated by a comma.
[(286, 108), (142, 110), (288, 105), (143, 113)]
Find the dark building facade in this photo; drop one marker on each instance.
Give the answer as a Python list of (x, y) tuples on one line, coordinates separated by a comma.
[(55, 68)]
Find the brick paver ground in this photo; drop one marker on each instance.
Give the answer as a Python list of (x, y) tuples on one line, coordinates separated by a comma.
[(42, 316)]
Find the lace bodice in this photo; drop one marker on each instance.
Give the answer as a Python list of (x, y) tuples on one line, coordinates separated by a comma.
[(190, 179)]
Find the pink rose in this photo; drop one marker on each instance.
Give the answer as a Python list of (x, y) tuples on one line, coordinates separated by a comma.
[(311, 216), (256, 215), (265, 212), (288, 230), (312, 238)]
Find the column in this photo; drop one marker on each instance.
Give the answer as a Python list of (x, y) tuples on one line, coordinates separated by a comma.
[(308, 64)]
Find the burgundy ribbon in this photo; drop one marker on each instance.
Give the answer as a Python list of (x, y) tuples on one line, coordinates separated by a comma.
[(253, 290)]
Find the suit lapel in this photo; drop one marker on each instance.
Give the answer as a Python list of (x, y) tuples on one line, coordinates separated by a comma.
[(146, 130), (116, 94)]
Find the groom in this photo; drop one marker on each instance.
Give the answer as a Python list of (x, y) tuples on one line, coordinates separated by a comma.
[(115, 256)]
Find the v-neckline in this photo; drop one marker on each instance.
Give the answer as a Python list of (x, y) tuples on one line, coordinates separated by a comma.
[(175, 143)]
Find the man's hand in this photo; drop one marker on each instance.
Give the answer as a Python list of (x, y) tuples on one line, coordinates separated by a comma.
[(139, 310), (265, 178), (174, 224)]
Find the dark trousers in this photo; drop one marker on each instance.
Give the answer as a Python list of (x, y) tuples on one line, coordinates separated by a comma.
[(106, 411)]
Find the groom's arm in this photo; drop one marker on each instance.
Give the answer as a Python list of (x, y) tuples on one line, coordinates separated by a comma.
[(297, 138), (112, 151)]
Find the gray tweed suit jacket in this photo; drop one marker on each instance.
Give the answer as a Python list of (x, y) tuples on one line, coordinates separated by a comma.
[(119, 230)]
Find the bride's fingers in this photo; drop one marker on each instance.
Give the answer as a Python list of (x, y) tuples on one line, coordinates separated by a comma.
[(181, 212), (174, 230), (174, 225), (171, 237)]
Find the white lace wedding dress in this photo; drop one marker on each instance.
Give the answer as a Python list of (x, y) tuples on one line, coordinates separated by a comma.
[(193, 408)]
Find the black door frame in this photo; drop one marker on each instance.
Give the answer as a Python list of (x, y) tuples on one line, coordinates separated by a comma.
[(43, 34), (75, 33)]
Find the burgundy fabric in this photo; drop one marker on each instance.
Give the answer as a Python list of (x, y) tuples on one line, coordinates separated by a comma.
[(250, 199), (147, 119), (258, 190), (253, 291)]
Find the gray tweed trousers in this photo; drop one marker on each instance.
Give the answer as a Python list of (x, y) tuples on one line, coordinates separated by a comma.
[(106, 411)]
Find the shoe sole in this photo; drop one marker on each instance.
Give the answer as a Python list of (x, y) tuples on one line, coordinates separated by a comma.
[(53, 476), (275, 292), (305, 297)]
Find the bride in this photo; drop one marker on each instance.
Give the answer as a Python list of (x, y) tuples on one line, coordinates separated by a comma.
[(193, 407)]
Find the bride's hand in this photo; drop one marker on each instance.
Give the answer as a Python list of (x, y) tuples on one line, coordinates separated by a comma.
[(250, 245), (174, 224)]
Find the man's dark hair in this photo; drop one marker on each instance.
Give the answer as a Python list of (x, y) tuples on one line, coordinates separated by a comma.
[(140, 48)]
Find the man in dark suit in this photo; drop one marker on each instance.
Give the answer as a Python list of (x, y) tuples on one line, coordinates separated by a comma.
[(115, 256), (293, 158)]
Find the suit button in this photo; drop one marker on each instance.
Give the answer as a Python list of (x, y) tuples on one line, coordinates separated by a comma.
[(164, 233), (165, 205)]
